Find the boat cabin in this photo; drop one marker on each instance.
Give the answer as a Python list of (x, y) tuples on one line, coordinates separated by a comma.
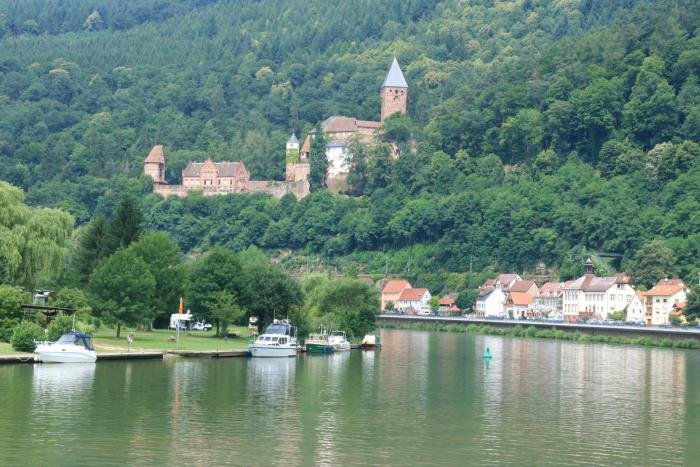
[(76, 338)]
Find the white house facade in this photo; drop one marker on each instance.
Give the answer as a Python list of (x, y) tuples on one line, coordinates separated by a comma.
[(491, 302)]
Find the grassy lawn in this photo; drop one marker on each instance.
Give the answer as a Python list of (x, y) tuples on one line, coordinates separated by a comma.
[(105, 341)]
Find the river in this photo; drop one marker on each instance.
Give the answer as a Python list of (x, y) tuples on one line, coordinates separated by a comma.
[(426, 398)]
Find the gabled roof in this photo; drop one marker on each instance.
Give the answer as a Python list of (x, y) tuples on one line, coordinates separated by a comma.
[(506, 278), (339, 124), (156, 155), (395, 77), (412, 295), (551, 289), (224, 169), (666, 288), (396, 286), (520, 298), (591, 283), (522, 286), (448, 299)]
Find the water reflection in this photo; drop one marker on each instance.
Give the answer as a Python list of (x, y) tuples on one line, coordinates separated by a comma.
[(425, 397)]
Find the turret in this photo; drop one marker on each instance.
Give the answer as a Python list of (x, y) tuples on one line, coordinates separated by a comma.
[(589, 266), (293, 149), (394, 94), (154, 165)]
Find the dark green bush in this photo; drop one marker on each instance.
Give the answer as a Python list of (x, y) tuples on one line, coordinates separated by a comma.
[(24, 335), (58, 326)]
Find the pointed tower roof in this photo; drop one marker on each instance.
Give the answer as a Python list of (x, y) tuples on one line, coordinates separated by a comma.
[(293, 139), (156, 155), (395, 77)]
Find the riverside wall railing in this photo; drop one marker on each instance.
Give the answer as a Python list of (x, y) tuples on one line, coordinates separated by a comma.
[(654, 332)]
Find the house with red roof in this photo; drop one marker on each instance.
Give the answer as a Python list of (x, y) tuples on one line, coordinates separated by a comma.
[(591, 296), (636, 309), (448, 305), (518, 304), (414, 300), (549, 298), (661, 298), (392, 291)]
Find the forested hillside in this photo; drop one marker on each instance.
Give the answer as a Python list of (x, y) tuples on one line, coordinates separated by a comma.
[(545, 130)]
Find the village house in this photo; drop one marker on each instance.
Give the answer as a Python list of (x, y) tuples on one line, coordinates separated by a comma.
[(392, 291), (490, 302), (677, 312), (636, 309), (518, 305), (593, 297), (661, 298), (525, 286), (412, 301), (549, 299), (448, 305)]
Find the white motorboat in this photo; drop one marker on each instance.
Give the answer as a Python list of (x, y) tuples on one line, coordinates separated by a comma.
[(278, 340), (339, 341), (72, 347)]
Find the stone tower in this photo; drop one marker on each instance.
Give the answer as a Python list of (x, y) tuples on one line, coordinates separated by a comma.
[(394, 94), (154, 165), (293, 150)]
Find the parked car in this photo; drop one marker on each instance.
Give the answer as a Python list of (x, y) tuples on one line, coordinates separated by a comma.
[(666, 325), (201, 326), (424, 312)]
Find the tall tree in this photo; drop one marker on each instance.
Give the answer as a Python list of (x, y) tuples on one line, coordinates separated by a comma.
[(653, 261), (318, 161), (127, 224), (121, 290)]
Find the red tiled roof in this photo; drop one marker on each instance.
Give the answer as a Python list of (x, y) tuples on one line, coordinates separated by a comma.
[(156, 155), (520, 298), (447, 300), (223, 169), (412, 295), (506, 278), (551, 289), (396, 286), (666, 288), (522, 286)]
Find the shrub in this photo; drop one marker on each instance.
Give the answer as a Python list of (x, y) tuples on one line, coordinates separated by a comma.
[(58, 326), (24, 335), (7, 325)]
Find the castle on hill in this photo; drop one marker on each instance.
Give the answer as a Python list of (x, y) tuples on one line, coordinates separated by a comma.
[(218, 178)]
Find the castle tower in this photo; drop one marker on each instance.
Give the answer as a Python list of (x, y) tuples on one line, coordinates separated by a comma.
[(293, 150), (394, 94), (154, 165)]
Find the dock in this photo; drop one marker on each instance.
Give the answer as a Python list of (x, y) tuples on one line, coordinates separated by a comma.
[(140, 355)]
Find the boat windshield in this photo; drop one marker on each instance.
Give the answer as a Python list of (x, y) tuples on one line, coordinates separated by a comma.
[(76, 339), (277, 329)]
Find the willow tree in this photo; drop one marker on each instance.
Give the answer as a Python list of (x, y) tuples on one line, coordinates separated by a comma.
[(33, 241)]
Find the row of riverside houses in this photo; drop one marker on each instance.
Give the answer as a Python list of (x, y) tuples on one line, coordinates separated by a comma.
[(399, 295), (588, 297)]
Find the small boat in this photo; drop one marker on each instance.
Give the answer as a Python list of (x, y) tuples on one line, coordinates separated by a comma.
[(318, 343), (370, 342), (339, 341), (72, 347), (278, 340)]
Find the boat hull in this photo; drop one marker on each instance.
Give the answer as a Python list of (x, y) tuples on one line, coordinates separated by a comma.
[(65, 356), (271, 352), (319, 348)]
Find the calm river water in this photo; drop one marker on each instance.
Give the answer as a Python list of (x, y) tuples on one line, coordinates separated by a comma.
[(425, 399)]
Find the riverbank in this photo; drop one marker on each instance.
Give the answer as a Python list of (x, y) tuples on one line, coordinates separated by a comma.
[(159, 340), (531, 331)]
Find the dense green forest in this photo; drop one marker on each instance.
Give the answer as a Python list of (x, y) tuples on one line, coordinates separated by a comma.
[(545, 130)]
